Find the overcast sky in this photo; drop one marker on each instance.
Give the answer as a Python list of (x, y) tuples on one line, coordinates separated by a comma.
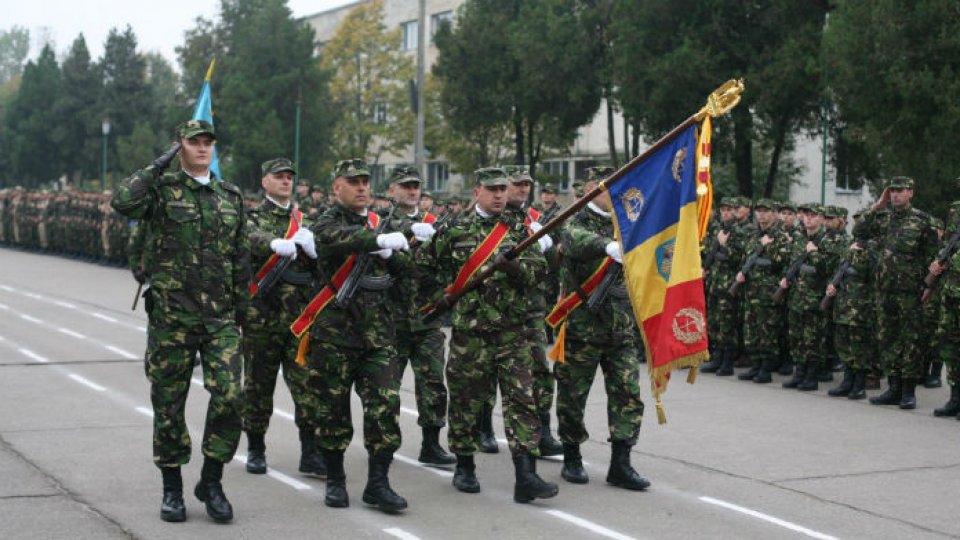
[(159, 25)]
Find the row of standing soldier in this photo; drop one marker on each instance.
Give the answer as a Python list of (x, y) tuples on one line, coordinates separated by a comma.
[(210, 265), (812, 299)]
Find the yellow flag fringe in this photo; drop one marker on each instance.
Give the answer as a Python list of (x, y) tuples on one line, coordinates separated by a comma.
[(303, 349), (660, 375), (557, 353)]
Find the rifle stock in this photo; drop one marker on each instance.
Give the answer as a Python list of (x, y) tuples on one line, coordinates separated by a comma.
[(837, 280), (943, 257), (781, 293)]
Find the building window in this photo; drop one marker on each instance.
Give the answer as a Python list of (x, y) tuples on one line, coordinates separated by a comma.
[(439, 19), (380, 113), (378, 177), (438, 173), (560, 169), (410, 29)]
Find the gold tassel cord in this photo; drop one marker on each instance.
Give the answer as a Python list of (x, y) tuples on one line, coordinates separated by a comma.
[(557, 353), (692, 375), (303, 349), (661, 416)]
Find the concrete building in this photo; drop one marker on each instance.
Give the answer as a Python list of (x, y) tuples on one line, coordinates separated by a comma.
[(590, 147)]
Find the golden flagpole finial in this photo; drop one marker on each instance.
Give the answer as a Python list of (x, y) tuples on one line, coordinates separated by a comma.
[(210, 70), (722, 99)]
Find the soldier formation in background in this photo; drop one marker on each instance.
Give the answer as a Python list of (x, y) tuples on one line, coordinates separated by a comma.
[(330, 287)]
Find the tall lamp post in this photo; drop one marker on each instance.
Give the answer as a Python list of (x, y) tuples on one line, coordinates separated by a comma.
[(105, 129)]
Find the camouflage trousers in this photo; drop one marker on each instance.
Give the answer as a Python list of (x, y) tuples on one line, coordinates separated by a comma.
[(266, 351), (808, 333), (171, 350), (424, 350), (948, 338), (479, 362), (899, 321), (621, 379), (764, 323), (373, 374), (856, 346), (725, 319), (543, 382)]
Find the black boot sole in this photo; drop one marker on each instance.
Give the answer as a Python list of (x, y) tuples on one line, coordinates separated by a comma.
[(574, 479), (628, 485), (526, 497), (433, 459), (214, 515), (381, 505), (336, 503), (173, 517)]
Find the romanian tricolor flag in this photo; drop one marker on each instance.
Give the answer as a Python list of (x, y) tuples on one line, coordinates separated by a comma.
[(657, 223)]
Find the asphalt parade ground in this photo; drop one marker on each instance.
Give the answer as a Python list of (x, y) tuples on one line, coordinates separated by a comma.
[(736, 460)]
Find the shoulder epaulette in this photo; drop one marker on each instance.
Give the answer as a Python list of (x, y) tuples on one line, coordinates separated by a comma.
[(231, 187)]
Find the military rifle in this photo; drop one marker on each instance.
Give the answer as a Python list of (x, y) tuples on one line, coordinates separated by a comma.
[(746, 269), (360, 266), (611, 277), (711, 254), (273, 276), (943, 257), (837, 281), (780, 294)]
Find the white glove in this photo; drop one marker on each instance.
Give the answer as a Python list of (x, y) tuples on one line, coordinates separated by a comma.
[(545, 242), (535, 226), (304, 239), (283, 247), (613, 250), (395, 240), (423, 231), (383, 253)]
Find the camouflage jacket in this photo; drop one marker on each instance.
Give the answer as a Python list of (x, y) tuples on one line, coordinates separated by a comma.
[(949, 282), (907, 240), (855, 301), (418, 292), (200, 262), (727, 259), (806, 293), (546, 214), (498, 304), (536, 296), (584, 247), (367, 321), (771, 263), (287, 298)]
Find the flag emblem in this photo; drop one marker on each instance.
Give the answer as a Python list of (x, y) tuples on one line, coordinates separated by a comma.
[(664, 254), (689, 325), (632, 201), (678, 160)]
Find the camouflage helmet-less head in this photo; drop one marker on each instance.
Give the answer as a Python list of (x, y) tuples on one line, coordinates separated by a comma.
[(900, 182), (491, 176), (599, 173), (403, 174), (194, 128), (769, 204), (350, 168), (517, 173), (279, 165)]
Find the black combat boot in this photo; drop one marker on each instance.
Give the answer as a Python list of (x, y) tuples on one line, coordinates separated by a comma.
[(210, 491), (892, 395), (858, 391), (952, 407), (843, 389), (172, 508), (811, 381), (785, 368), (256, 453), (726, 367), (908, 396), (528, 485), (431, 452), (548, 445), (798, 377), (765, 375), (932, 378), (573, 471), (336, 492), (488, 443), (749, 374), (378, 491), (465, 475), (716, 360), (311, 459), (621, 473), (825, 371)]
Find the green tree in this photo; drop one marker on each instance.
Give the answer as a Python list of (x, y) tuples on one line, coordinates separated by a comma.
[(371, 100), (30, 122), (668, 56), (894, 72), (14, 46), (77, 131), (137, 149), (126, 96), (168, 107)]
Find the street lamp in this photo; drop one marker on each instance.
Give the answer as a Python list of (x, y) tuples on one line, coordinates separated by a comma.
[(105, 129)]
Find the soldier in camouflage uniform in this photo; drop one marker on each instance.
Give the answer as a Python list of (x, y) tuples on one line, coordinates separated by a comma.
[(907, 241), (763, 318), (419, 344), (303, 199), (199, 292), (268, 344), (518, 194), (426, 201), (603, 337), (807, 323), (834, 221), (491, 341), (854, 318), (928, 346), (948, 328), (351, 345), (726, 253)]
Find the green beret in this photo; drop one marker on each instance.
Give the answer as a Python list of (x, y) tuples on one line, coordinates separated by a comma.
[(350, 168), (192, 128), (278, 165), (491, 176)]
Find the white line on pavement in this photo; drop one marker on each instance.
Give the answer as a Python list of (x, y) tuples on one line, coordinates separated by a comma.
[(411, 412), (295, 484), (401, 534), (283, 414), (144, 411), (71, 333), (87, 382), (434, 470), (103, 317), (26, 317), (32, 355), (589, 525), (64, 304), (121, 352), (35, 296), (6, 288), (4, 307), (767, 518)]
